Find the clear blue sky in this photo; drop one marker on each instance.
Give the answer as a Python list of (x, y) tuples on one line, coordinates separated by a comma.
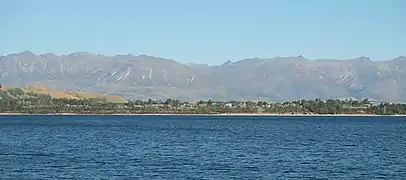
[(207, 31)]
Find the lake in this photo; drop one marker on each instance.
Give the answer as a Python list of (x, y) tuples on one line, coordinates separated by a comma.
[(202, 147)]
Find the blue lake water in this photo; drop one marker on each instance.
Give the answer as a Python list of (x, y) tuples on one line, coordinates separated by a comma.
[(198, 147)]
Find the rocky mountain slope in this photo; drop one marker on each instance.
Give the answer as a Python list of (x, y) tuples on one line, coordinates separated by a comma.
[(143, 77)]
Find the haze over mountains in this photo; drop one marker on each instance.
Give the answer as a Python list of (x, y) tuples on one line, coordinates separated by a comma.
[(143, 77)]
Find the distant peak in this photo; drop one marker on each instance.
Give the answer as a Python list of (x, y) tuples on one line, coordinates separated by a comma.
[(79, 54), (401, 58), (228, 62), (289, 58), (144, 56), (124, 55), (48, 55), (27, 53), (364, 58)]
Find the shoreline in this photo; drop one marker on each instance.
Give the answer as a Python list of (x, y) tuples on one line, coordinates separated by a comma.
[(223, 114)]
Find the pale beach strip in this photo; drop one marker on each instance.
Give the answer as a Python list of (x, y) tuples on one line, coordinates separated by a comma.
[(218, 114)]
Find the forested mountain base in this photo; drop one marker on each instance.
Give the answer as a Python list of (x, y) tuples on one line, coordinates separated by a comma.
[(19, 101)]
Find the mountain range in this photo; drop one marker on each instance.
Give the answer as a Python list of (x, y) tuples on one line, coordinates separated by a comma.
[(144, 77)]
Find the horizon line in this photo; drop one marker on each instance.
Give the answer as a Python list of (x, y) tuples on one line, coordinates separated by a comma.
[(241, 59)]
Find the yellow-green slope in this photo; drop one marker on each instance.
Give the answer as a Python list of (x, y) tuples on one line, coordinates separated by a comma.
[(71, 95)]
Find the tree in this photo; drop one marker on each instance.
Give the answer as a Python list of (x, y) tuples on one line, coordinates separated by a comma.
[(150, 102), (168, 101), (366, 101)]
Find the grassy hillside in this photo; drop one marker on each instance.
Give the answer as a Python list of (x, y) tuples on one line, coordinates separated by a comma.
[(29, 92)]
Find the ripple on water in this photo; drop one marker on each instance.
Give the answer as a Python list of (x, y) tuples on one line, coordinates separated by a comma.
[(160, 147)]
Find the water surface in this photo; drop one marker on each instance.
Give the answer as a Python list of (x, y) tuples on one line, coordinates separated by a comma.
[(199, 147)]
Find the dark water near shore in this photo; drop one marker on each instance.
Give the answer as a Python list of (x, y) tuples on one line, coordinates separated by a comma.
[(190, 147)]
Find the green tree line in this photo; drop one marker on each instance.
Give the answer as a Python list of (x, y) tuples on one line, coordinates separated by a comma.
[(18, 101)]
